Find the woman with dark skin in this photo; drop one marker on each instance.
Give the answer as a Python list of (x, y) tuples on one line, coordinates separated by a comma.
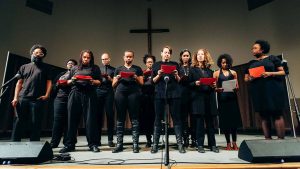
[(84, 80), (267, 90), (229, 113), (185, 62), (147, 112), (62, 91), (127, 98)]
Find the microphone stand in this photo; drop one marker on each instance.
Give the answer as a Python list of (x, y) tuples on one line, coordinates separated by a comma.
[(166, 122), (290, 92), (2, 94)]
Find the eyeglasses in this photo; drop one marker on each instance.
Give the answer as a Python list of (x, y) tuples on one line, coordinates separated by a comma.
[(41, 54)]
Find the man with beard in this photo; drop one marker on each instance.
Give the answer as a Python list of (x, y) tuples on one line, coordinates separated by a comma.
[(32, 90)]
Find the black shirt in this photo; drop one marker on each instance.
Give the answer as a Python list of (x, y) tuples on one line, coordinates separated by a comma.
[(35, 78), (173, 90), (148, 87), (94, 72), (128, 84), (63, 90), (185, 72), (106, 70)]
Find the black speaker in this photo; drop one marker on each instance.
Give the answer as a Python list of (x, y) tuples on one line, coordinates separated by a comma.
[(269, 151), (25, 152)]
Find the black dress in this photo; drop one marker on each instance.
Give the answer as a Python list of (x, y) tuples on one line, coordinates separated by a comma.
[(203, 96), (229, 112), (204, 106), (266, 93)]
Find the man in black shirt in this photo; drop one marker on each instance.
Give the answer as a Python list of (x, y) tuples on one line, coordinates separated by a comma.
[(32, 90), (105, 95)]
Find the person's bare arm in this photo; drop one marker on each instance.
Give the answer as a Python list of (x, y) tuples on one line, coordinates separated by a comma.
[(48, 91), (17, 91)]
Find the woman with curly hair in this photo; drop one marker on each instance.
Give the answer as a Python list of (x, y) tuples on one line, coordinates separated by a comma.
[(204, 107), (267, 89), (229, 113)]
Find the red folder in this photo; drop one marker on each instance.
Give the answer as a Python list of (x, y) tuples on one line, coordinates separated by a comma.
[(147, 72), (82, 77), (62, 82), (207, 81), (168, 69), (127, 74), (104, 75), (257, 71)]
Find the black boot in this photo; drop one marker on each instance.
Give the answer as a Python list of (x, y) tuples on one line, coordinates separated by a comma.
[(178, 133), (156, 135), (186, 138), (110, 140), (135, 136), (149, 142), (120, 130), (194, 143)]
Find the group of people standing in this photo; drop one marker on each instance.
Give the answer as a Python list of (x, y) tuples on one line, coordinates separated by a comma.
[(88, 90)]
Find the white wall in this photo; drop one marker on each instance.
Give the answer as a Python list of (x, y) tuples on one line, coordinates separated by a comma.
[(103, 26)]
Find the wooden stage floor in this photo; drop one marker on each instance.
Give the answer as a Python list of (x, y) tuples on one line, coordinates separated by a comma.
[(82, 158)]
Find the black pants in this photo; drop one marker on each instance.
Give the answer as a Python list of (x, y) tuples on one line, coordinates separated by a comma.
[(185, 112), (201, 121), (174, 109), (105, 104), (147, 115), (82, 102), (60, 120), (29, 113), (127, 101)]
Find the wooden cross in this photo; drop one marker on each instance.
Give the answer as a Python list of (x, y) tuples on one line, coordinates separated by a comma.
[(149, 31)]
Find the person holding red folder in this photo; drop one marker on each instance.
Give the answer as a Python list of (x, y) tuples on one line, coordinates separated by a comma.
[(128, 80), (173, 94), (229, 112), (185, 61), (60, 106), (204, 106), (84, 80), (267, 91), (147, 112)]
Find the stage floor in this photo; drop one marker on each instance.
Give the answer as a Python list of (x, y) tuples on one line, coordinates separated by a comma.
[(82, 158)]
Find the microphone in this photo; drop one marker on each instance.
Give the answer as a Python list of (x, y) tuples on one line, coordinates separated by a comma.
[(166, 79), (284, 64), (17, 76)]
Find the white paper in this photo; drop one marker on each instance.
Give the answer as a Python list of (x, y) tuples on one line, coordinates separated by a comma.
[(229, 85)]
